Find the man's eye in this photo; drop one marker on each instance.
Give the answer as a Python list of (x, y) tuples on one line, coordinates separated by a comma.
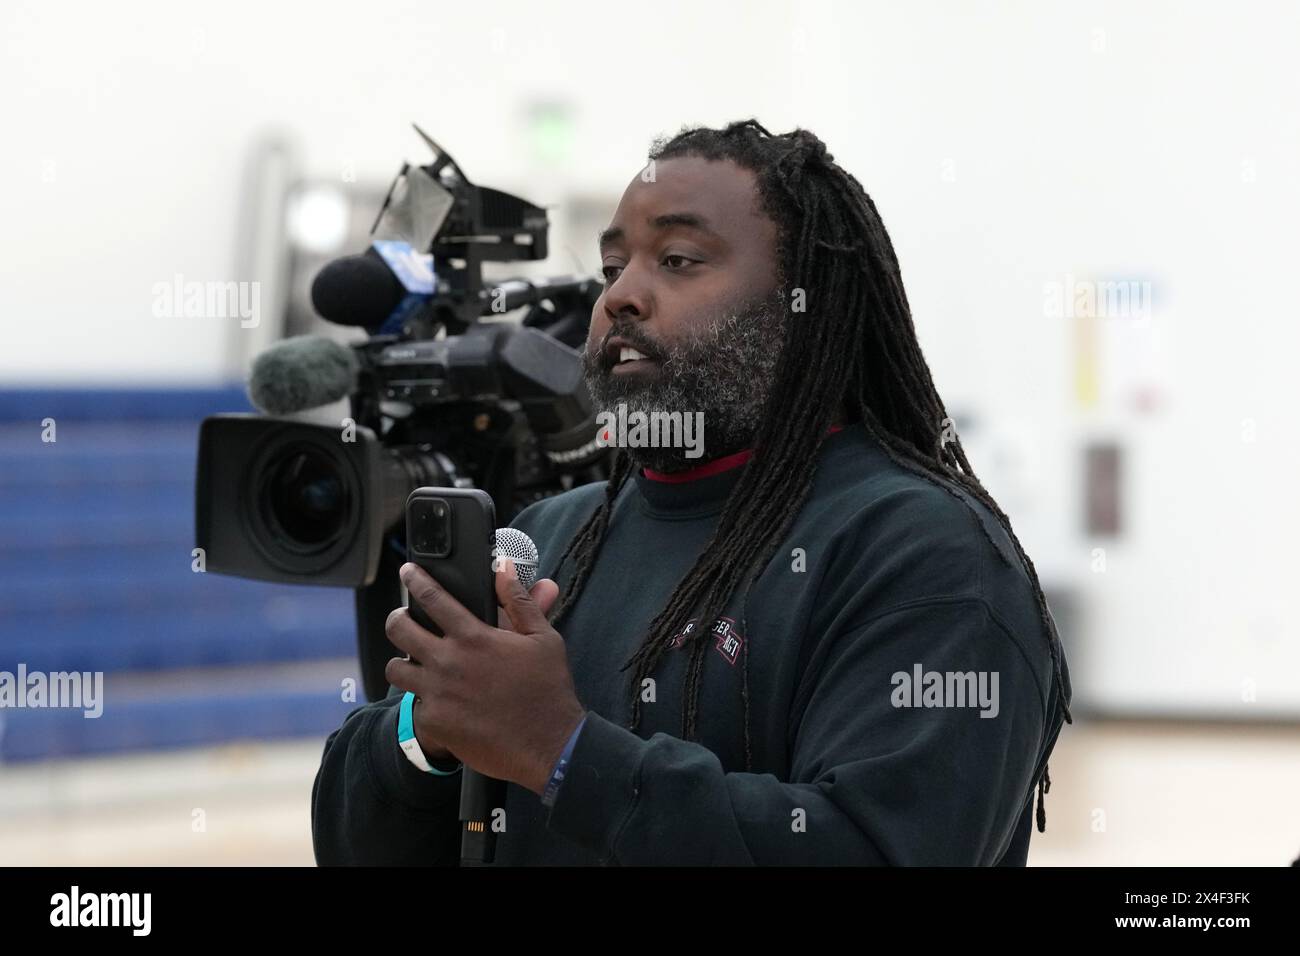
[(682, 262)]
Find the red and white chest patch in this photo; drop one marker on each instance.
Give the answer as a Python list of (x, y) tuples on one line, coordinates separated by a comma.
[(727, 639)]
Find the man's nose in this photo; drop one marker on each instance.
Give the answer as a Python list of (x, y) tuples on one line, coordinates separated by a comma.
[(627, 297)]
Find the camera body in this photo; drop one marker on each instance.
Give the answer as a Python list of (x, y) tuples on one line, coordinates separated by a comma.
[(445, 395)]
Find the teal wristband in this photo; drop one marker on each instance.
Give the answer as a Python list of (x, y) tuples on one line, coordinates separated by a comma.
[(410, 746)]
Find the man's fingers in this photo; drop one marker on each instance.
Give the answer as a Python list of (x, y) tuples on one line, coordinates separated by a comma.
[(544, 592), (527, 616), (402, 674), (405, 634), (443, 609)]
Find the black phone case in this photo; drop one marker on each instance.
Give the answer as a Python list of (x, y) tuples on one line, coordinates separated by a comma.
[(466, 573)]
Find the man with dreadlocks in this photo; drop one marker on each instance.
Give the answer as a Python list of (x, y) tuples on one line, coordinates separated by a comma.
[(820, 642)]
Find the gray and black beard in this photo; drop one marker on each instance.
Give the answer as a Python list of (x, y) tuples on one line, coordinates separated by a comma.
[(723, 368)]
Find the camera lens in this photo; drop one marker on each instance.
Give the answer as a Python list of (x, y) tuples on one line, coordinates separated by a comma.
[(307, 498), (289, 501)]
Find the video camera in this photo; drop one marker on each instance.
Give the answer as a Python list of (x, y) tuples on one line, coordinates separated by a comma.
[(438, 394)]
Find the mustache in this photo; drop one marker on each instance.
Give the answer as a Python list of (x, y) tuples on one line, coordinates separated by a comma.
[(765, 312), (633, 336)]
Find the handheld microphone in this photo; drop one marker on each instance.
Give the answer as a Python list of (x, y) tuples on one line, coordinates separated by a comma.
[(514, 544), (480, 795), (302, 372)]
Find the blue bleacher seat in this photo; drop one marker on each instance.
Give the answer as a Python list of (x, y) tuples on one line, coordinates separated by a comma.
[(96, 532)]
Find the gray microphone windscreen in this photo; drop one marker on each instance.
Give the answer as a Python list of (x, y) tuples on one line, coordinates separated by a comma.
[(514, 544), (300, 373)]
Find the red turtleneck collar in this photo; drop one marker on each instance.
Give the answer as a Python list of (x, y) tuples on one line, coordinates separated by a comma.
[(714, 467)]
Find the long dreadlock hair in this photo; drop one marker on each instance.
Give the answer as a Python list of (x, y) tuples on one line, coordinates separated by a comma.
[(857, 331)]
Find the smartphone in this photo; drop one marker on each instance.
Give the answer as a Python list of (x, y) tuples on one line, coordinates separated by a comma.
[(451, 533)]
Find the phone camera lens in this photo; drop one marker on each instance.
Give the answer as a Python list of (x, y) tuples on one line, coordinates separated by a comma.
[(431, 527)]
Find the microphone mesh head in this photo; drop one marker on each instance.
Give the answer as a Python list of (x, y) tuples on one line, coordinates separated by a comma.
[(514, 544)]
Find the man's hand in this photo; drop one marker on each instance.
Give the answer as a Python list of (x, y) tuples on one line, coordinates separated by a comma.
[(500, 698)]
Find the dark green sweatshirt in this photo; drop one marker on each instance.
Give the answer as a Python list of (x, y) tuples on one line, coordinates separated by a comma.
[(902, 706)]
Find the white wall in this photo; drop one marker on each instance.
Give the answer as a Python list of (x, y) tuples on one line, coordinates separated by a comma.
[(1006, 144)]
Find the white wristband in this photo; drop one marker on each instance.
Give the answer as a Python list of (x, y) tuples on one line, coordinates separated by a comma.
[(410, 745)]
